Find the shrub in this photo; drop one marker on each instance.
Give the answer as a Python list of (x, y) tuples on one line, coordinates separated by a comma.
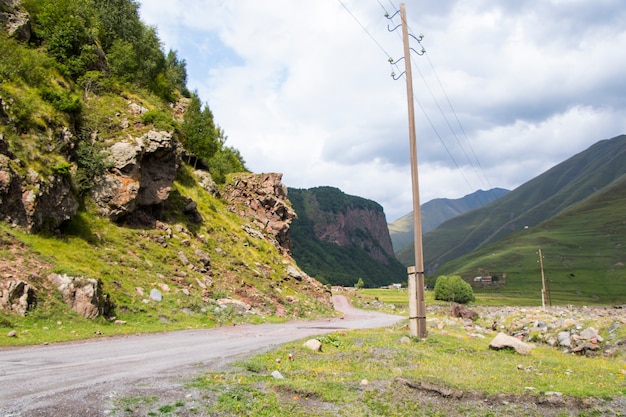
[(92, 164), (63, 169), (62, 100), (159, 120), (454, 289)]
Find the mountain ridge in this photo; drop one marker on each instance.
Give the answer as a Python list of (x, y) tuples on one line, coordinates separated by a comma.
[(436, 211), (339, 238), (531, 203)]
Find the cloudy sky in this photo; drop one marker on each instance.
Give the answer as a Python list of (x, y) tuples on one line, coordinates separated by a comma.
[(505, 90)]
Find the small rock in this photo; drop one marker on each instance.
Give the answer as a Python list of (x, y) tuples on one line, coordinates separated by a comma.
[(462, 311), (156, 294), (364, 382), (589, 333), (564, 339), (405, 339), (313, 344), (277, 375), (119, 322), (503, 341), (12, 333)]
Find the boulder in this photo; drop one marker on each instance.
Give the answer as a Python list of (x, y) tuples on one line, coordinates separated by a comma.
[(205, 180), (462, 311), (277, 375), (17, 296), (589, 333), (313, 344), (504, 341), (84, 295), (143, 173), (34, 201), (564, 339)]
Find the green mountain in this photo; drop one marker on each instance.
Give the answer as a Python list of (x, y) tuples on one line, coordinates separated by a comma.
[(582, 249), (438, 211), (528, 205), (339, 238)]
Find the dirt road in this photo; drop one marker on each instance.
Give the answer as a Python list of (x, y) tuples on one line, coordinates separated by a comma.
[(79, 379)]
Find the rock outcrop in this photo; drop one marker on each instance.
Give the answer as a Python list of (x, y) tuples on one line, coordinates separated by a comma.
[(142, 175), (84, 295), (15, 19), (262, 198), (17, 296), (33, 201)]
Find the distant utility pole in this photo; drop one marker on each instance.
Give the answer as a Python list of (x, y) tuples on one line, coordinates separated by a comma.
[(417, 305), (543, 282)]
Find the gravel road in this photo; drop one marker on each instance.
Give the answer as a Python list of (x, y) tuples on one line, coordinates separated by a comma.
[(81, 378)]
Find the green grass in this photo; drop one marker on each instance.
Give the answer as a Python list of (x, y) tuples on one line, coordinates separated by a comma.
[(583, 256), (126, 259), (364, 373)]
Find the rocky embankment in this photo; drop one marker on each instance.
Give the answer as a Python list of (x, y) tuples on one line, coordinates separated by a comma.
[(572, 329)]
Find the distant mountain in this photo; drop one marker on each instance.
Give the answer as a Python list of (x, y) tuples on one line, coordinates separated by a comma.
[(438, 211), (538, 200), (338, 238), (582, 250)]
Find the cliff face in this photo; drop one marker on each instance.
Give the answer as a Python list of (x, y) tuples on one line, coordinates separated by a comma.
[(340, 238), (263, 199), (364, 228)]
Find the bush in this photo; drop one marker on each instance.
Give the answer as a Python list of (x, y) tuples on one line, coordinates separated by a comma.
[(453, 289), (159, 120)]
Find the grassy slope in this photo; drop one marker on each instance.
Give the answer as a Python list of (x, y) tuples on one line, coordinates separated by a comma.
[(582, 248), (435, 212), (528, 205), (126, 258)]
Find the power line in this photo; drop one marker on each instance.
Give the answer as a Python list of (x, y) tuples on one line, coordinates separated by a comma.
[(429, 120), (445, 117), (364, 28)]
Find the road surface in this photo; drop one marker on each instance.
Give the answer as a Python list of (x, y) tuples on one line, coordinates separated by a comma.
[(76, 379)]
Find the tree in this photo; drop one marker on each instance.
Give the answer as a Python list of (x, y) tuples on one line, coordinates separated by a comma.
[(199, 132), (66, 30), (359, 284), (177, 73), (453, 289), (118, 19)]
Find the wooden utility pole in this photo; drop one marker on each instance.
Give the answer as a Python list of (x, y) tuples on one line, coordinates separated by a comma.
[(417, 305), (543, 282)]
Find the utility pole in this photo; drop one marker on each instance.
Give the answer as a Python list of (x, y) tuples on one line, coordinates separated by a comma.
[(417, 305), (543, 282)]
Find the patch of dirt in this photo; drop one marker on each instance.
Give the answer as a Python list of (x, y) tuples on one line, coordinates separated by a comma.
[(453, 402), (17, 261)]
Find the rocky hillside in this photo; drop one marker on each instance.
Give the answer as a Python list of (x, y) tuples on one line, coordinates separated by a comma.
[(118, 196), (340, 238)]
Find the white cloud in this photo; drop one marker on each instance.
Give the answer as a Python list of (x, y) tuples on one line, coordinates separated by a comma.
[(301, 88)]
